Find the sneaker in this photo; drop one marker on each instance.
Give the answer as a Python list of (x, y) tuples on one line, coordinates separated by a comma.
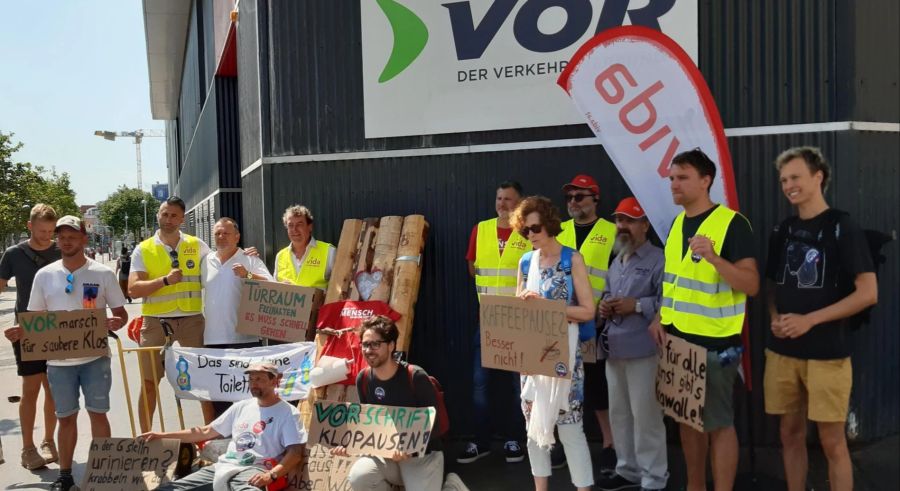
[(616, 482), (513, 452), (453, 483), (31, 459), (557, 457), (48, 452), (608, 460), (63, 483), (472, 453)]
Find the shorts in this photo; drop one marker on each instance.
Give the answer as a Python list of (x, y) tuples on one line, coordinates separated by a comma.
[(95, 380), (27, 368), (596, 389), (822, 387), (188, 331), (718, 410)]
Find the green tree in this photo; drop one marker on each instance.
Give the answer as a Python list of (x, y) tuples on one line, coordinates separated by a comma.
[(22, 185), (128, 201)]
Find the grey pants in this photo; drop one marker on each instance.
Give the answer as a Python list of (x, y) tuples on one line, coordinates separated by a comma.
[(637, 421), (203, 480), (417, 473)]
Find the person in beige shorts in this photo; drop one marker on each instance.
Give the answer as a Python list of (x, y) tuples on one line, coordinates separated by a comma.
[(820, 275)]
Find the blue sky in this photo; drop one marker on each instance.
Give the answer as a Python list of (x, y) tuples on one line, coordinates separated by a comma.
[(69, 68)]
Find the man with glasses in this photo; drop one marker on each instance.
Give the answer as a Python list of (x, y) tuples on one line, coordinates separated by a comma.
[(493, 258), (165, 271), (593, 237), (22, 261), (709, 273), (630, 301), (75, 283)]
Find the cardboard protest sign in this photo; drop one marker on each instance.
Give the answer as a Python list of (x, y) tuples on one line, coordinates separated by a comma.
[(210, 374), (681, 381), (58, 335), (321, 470), (525, 336), (115, 464), (275, 310), (370, 429)]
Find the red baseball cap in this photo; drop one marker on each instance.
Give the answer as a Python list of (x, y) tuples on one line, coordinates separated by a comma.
[(630, 208), (583, 181)]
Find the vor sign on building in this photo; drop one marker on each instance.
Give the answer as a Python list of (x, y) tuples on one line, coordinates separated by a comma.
[(456, 66)]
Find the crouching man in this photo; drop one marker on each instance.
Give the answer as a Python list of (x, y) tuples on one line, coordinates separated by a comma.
[(267, 439)]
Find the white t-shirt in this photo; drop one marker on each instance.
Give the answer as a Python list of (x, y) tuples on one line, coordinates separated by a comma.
[(258, 433), (298, 261), (222, 294), (94, 287), (137, 265)]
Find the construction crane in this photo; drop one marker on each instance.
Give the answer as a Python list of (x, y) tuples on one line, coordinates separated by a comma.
[(138, 135)]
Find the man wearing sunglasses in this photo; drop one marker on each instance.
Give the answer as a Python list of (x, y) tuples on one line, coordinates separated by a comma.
[(493, 259), (593, 237), (630, 301), (165, 271), (75, 283)]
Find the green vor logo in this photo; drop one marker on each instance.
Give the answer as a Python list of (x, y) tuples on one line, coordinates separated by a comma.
[(410, 37)]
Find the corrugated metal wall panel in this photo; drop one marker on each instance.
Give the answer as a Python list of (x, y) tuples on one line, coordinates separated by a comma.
[(227, 131), (253, 229), (248, 83), (200, 174), (875, 85), (193, 93), (229, 205)]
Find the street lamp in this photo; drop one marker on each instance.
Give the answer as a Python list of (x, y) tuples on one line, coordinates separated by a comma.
[(145, 232)]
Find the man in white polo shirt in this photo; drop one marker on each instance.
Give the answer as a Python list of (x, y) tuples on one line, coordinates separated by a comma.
[(74, 283), (221, 274)]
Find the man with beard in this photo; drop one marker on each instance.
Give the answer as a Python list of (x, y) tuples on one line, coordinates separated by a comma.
[(165, 271), (267, 439), (593, 237), (493, 259), (22, 261), (389, 383), (630, 301), (710, 271), (76, 283)]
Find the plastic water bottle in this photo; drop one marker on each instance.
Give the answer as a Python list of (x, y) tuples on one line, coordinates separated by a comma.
[(727, 357)]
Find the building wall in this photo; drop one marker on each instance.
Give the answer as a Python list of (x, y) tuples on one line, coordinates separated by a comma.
[(299, 93)]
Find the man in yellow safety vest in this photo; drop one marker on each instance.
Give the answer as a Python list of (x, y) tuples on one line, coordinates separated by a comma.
[(165, 271), (493, 259), (593, 237), (710, 270), (305, 261)]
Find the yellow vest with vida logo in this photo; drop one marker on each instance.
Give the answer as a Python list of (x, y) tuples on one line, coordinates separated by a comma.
[(695, 299), (184, 295), (312, 272), (495, 273), (596, 249)]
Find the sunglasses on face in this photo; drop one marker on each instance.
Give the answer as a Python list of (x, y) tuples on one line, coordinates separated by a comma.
[(577, 197), (535, 229), (367, 345), (174, 256), (70, 283)]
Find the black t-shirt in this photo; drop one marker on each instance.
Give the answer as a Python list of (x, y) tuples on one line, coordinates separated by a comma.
[(396, 391), (738, 244), (813, 264), (582, 231), (17, 263)]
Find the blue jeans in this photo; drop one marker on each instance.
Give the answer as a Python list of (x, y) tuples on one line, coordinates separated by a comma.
[(495, 394), (94, 378)]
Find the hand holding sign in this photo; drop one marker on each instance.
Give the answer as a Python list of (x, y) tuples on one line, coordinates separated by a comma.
[(370, 429)]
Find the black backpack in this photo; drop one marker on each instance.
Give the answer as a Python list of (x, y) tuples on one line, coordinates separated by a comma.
[(874, 238)]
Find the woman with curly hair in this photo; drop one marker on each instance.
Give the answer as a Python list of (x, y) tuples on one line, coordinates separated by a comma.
[(554, 272)]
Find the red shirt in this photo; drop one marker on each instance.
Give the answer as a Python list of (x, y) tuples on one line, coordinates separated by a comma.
[(502, 236), (350, 314)]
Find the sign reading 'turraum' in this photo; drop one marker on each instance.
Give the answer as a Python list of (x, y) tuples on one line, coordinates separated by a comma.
[(448, 67)]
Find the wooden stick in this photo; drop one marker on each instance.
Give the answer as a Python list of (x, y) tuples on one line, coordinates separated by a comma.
[(407, 275), (385, 252)]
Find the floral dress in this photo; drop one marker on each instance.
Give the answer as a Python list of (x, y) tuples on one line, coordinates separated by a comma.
[(555, 287)]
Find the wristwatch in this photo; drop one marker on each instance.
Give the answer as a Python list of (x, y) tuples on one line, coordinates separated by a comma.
[(249, 275), (637, 306), (273, 476)]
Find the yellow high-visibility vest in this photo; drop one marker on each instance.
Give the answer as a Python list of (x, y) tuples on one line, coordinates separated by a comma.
[(596, 249), (312, 272), (184, 295), (695, 299), (495, 273)]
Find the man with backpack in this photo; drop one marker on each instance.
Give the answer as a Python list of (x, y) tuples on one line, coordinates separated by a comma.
[(390, 383), (821, 277)]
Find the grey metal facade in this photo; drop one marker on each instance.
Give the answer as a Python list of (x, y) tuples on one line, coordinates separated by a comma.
[(299, 93)]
